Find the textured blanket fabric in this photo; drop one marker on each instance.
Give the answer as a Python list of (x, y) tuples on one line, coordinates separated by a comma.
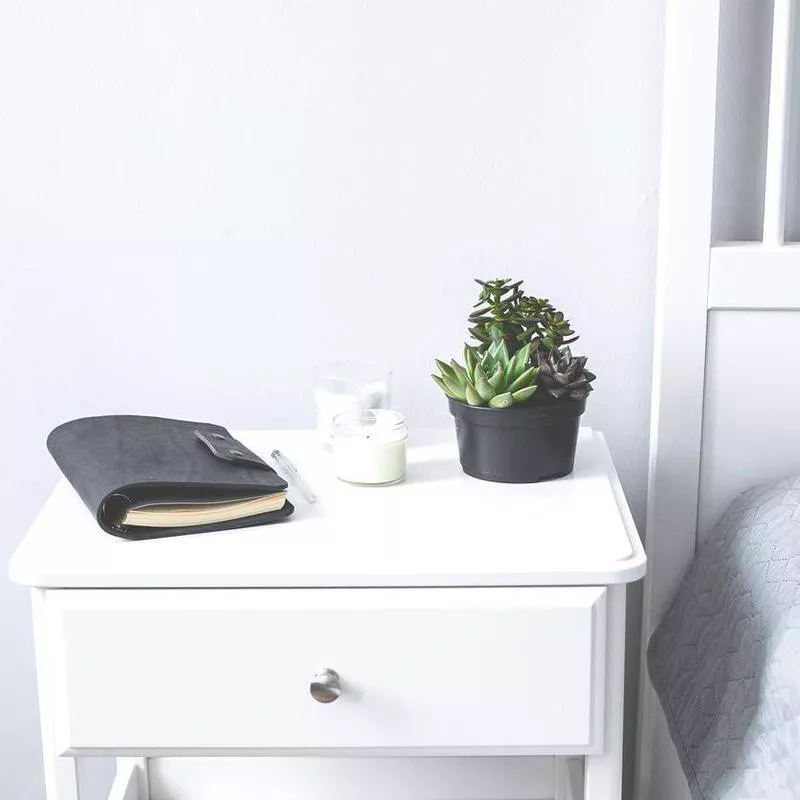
[(725, 660)]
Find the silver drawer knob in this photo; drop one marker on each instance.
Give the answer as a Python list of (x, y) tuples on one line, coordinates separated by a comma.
[(326, 686)]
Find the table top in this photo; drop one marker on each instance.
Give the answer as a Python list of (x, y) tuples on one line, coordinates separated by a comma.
[(438, 528)]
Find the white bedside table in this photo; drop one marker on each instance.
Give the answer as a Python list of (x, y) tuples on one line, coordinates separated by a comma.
[(443, 617)]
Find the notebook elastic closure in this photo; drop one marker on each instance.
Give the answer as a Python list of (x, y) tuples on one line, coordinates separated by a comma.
[(226, 448)]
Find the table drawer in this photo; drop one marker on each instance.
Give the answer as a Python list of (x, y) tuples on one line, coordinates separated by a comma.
[(218, 671)]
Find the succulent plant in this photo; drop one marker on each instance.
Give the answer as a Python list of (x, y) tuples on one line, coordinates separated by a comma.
[(522, 343), (494, 378), (562, 374), (503, 309)]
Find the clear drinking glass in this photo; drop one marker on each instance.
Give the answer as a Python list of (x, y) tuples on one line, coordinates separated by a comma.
[(341, 386)]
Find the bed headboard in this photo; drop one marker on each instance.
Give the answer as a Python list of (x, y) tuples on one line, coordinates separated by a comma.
[(725, 409)]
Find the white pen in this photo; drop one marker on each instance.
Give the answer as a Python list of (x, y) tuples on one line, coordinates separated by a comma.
[(293, 476)]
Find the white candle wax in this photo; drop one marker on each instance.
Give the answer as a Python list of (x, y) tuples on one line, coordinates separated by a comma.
[(359, 460), (370, 447)]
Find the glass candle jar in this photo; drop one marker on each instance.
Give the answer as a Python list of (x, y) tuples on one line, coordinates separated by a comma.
[(341, 386), (369, 447)]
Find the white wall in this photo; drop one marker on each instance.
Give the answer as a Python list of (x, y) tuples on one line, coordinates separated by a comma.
[(201, 200)]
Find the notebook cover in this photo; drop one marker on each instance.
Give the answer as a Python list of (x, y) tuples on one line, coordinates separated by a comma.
[(114, 462)]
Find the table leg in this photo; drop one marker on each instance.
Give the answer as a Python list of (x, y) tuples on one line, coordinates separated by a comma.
[(60, 773), (603, 775)]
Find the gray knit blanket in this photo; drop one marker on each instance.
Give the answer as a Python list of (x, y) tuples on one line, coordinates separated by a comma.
[(725, 660)]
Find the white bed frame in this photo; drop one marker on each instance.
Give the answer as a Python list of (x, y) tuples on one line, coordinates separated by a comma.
[(717, 425)]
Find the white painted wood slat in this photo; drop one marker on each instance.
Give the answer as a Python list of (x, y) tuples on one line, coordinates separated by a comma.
[(687, 169), (777, 131), (754, 277)]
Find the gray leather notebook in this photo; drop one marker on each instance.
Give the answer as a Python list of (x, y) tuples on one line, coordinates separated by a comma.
[(150, 477)]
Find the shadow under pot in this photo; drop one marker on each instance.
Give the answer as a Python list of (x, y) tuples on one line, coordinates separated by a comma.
[(522, 444)]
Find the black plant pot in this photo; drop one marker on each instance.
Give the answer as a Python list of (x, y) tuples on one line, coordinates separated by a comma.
[(521, 444)]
